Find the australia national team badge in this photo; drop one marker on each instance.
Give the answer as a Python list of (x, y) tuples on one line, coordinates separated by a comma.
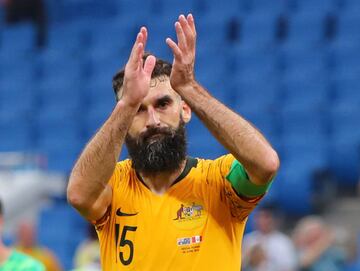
[(189, 215)]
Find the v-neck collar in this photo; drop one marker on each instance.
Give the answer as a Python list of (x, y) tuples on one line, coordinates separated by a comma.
[(190, 163)]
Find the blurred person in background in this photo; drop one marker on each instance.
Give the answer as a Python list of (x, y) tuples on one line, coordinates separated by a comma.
[(87, 255), (257, 260), (28, 10), (12, 260), (160, 209), (316, 248), (276, 249), (27, 243)]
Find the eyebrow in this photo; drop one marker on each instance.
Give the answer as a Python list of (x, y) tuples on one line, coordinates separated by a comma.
[(166, 98)]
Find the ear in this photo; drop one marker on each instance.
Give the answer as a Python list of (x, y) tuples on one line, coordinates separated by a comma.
[(185, 112)]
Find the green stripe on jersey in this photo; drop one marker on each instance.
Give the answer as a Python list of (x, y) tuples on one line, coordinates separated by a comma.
[(241, 183)]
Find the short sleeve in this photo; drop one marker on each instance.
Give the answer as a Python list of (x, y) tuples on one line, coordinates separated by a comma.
[(240, 206), (115, 178)]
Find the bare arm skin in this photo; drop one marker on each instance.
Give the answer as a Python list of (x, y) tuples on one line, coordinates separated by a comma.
[(88, 190), (245, 142)]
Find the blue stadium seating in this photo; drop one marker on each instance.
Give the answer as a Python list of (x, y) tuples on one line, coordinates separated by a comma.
[(306, 30), (258, 30), (199, 142), (271, 7), (16, 135), (348, 23), (18, 37), (320, 6), (345, 142), (294, 188)]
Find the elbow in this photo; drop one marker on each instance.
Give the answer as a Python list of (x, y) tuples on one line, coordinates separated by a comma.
[(272, 164), (75, 198)]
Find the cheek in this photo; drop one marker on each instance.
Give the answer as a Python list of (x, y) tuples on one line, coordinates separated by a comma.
[(136, 127), (171, 117)]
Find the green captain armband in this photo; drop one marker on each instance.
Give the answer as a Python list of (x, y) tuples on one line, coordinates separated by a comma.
[(241, 183)]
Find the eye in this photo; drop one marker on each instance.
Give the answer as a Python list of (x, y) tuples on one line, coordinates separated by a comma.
[(163, 104)]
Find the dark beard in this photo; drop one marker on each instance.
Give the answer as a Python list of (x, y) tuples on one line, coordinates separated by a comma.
[(161, 154)]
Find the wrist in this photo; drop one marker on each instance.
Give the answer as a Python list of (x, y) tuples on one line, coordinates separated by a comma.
[(128, 103), (188, 86)]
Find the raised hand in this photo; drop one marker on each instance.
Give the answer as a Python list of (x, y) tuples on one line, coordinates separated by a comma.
[(182, 73), (137, 74)]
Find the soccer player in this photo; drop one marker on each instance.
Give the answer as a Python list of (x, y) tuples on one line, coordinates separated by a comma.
[(11, 260), (160, 209)]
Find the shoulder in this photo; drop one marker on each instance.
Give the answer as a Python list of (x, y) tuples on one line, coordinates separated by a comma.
[(122, 170), (221, 164)]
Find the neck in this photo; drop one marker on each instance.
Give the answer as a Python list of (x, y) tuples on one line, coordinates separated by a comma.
[(160, 182), (4, 252)]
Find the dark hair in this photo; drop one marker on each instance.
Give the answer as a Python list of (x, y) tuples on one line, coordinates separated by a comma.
[(162, 67)]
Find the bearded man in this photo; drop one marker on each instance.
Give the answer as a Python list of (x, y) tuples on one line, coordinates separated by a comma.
[(160, 209)]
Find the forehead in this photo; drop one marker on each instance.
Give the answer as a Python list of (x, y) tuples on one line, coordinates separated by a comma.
[(160, 87)]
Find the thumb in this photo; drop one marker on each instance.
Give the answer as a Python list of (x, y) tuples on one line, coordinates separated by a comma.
[(149, 65)]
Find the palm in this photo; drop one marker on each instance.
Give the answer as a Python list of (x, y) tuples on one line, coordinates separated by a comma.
[(137, 73), (184, 52)]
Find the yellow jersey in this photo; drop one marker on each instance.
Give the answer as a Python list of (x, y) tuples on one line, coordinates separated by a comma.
[(198, 224)]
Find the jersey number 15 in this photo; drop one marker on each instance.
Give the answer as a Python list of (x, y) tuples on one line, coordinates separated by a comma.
[(124, 242)]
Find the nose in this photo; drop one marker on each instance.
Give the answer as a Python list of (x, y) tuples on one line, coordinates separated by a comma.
[(153, 119)]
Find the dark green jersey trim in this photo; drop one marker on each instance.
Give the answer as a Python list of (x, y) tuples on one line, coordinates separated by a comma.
[(190, 163), (241, 183)]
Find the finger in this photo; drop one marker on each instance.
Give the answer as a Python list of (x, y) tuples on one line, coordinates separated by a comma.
[(191, 22), (133, 58), (189, 35), (185, 26), (180, 36), (149, 65), (175, 49), (144, 32)]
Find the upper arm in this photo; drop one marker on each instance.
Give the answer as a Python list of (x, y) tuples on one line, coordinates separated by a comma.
[(100, 206)]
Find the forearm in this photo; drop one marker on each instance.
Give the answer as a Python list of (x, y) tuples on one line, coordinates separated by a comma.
[(97, 162), (244, 141)]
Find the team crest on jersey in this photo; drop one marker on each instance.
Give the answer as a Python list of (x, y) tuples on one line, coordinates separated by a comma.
[(191, 211), (189, 214)]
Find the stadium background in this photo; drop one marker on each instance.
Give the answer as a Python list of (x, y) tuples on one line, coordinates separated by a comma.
[(289, 66)]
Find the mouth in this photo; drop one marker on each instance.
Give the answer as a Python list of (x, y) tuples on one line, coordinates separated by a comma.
[(153, 138)]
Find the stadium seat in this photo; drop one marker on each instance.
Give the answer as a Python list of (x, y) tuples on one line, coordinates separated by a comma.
[(69, 37), (219, 10), (345, 142), (143, 10), (347, 93), (305, 95), (18, 37), (295, 180), (320, 6), (306, 28), (213, 32), (16, 135), (270, 7), (261, 96), (200, 141), (172, 8), (258, 30), (348, 23), (254, 65)]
